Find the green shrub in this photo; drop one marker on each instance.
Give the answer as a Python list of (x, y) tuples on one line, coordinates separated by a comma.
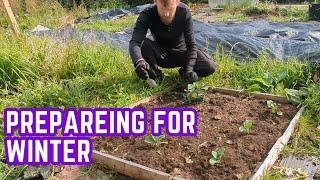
[(260, 9), (313, 102)]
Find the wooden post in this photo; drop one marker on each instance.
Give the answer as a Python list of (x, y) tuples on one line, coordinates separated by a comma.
[(11, 16)]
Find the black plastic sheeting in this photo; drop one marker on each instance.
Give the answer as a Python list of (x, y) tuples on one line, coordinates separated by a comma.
[(282, 41)]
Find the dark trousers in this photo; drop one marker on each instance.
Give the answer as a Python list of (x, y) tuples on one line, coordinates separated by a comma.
[(155, 55)]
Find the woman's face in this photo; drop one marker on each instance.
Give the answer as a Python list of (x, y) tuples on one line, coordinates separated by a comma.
[(168, 12)]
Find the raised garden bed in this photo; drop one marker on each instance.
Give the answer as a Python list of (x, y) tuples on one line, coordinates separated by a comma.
[(220, 116)]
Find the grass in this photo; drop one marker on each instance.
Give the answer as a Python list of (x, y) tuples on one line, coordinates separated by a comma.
[(290, 14), (67, 75), (235, 4), (93, 6), (110, 25), (226, 16), (306, 139), (272, 12)]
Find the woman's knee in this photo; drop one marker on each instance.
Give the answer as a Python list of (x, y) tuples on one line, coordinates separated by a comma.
[(212, 66), (210, 69), (209, 66)]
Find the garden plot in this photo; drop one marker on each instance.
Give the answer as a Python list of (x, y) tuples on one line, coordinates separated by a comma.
[(240, 129)]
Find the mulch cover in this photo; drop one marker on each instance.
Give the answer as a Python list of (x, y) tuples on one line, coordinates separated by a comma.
[(220, 116)]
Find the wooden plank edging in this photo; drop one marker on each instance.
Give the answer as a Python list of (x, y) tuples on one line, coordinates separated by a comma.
[(277, 147), (130, 168), (277, 98)]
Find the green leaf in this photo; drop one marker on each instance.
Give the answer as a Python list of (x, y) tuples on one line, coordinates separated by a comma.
[(270, 104), (242, 129), (213, 162), (254, 88), (281, 77), (267, 79), (149, 139), (296, 97), (191, 87), (214, 154), (247, 124), (220, 153), (260, 80), (279, 113)]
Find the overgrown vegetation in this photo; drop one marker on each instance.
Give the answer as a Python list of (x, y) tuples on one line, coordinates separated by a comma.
[(234, 4), (266, 83), (306, 139), (234, 75), (94, 4), (313, 102), (66, 75), (244, 11)]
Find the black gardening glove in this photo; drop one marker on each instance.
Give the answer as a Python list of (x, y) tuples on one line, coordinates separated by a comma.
[(142, 68), (145, 71), (155, 72), (191, 76)]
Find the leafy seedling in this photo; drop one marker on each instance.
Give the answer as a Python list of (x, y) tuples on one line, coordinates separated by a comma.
[(274, 108), (155, 140), (247, 125), (216, 156), (194, 94)]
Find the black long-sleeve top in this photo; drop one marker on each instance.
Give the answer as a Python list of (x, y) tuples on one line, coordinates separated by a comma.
[(178, 36)]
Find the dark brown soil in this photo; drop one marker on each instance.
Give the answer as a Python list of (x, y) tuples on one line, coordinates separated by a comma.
[(220, 117)]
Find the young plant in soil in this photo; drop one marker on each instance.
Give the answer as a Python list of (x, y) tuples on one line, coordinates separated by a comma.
[(194, 94), (246, 127), (216, 156), (274, 108), (155, 140)]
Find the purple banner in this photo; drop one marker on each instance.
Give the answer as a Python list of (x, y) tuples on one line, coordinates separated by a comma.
[(42, 136)]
